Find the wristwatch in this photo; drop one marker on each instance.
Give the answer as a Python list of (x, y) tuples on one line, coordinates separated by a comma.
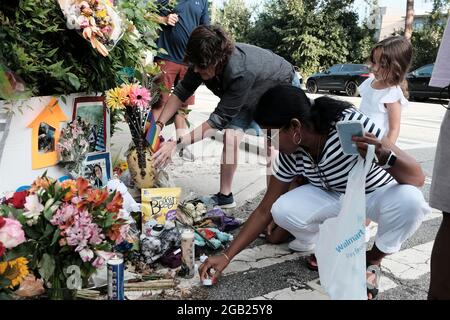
[(390, 161)]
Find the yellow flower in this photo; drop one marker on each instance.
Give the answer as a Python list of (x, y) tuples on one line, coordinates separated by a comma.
[(123, 165), (102, 13), (14, 270), (114, 98)]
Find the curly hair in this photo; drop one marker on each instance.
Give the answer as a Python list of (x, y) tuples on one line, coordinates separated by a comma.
[(395, 57), (208, 46)]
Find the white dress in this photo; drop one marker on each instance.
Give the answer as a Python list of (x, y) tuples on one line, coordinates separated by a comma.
[(373, 102)]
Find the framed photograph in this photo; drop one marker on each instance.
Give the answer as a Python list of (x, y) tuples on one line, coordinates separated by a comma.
[(46, 138), (97, 169), (94, 111)]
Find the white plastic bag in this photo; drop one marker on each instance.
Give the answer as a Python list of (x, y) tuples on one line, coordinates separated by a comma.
[(341, 246)]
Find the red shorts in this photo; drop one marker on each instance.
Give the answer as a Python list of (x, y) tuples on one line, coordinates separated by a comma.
[(172, 72)]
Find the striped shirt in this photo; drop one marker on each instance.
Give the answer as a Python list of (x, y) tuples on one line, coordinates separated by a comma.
[(331, 173)]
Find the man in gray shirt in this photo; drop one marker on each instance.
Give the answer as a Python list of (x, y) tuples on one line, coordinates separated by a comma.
[(238, 74)]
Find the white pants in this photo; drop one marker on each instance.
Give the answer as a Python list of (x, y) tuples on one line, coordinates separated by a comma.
[(397, 208)]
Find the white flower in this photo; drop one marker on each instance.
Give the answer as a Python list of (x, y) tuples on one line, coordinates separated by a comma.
[(86, 255), (33, 209), (72, 22)]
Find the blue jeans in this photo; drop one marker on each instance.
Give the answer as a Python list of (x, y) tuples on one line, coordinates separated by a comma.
[(244, 119)]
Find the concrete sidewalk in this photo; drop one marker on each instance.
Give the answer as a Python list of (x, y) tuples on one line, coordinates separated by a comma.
[(201, 178)]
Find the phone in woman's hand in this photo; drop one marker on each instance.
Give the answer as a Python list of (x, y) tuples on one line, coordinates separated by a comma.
[(346, 130)]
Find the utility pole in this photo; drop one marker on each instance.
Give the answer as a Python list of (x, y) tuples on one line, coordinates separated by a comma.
[(409, 19)]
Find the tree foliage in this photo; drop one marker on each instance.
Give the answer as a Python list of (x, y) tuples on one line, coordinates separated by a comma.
[(312, 34), (234, 17), (426, 41)]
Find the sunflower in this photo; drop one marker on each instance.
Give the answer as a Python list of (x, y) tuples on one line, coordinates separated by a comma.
[(14, 270), (114, 99)]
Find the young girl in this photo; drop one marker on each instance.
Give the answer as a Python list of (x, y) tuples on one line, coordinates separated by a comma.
[(383, 95)]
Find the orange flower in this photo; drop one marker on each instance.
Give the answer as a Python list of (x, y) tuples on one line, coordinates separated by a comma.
[(125, 94), (114, 232), (116, 203), (72, 186), (82, 186), (97, 196), (41, 183)]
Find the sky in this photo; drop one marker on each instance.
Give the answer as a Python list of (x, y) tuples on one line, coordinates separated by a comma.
[(420, 6)]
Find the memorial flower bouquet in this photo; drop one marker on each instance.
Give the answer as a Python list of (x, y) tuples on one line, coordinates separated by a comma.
[(71, 228), (96, 20)]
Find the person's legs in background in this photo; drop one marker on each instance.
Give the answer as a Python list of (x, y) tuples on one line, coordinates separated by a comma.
[(171, 72), (167, 79), (181, 117), (440, 263)]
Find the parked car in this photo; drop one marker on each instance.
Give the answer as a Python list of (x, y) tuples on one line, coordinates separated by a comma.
[(340, 77), (418, 85)]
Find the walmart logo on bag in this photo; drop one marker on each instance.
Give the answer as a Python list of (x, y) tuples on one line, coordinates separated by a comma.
[(349, 241)]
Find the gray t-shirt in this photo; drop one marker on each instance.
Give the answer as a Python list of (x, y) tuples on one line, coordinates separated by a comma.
[(249, 73)]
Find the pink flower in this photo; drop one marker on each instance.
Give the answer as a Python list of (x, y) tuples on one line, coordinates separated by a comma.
[(83, 232), (106, 30), (64, 216), (98, 263), (11, 234), (139, 96), (76, 200), (83, 21)]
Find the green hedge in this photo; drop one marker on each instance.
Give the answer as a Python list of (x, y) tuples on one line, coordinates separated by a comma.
[(53, 60)]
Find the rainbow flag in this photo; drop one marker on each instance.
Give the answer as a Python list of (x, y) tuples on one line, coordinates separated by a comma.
[(150, 132)]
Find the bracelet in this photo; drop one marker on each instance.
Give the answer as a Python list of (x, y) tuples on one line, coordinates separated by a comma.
[(228, 258), (160, 124)]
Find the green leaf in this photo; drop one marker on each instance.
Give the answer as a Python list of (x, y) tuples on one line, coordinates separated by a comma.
[(23, 250), (5, 296), (31, 233), (74, 80), (48, 214), (55, 237), (46, 266), (4, 282), (48, 231)]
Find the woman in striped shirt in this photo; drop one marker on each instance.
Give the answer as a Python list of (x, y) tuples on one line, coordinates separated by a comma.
[(309, 147)]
